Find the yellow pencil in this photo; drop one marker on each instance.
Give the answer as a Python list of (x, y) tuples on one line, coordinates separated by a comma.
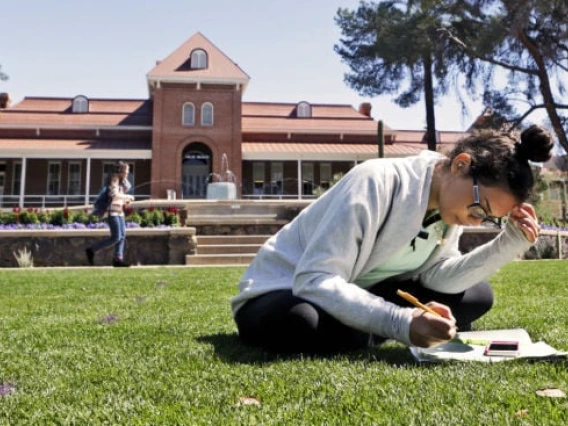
[(410, 298)]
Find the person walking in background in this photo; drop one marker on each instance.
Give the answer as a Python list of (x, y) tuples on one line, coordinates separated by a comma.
[(328, 280), (118, 187)]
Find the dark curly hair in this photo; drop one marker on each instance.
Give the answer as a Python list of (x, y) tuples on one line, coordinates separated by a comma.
[(499, 160)]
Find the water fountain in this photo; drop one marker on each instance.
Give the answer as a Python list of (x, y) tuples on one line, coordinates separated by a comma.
[(222, 186)]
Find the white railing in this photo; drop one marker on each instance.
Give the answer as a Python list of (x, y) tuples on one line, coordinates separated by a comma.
[(276, 197), (51, 201)]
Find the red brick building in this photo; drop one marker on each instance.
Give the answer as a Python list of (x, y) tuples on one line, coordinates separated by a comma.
[(58, 151)]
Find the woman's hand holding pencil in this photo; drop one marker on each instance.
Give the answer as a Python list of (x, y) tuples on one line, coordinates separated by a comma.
[(433, 329)]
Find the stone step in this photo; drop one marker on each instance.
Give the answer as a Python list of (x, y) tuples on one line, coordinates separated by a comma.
[(245, 207), (228, 248), (225, 250), (237, 259), (205, 240), (222, 219)]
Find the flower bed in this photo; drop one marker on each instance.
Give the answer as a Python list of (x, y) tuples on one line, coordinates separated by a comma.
[(83, 219), (559, 228)]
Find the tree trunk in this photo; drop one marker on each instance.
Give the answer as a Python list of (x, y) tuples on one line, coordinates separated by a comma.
[(545, 90), (429, 101)]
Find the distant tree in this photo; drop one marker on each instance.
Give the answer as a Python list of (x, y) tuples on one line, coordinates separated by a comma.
[(3, 76), (528, 40), (393, 47)]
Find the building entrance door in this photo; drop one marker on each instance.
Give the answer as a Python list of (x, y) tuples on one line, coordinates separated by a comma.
[(196, 170)]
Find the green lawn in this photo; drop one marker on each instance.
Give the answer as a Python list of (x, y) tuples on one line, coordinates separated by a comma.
[(158, 347)]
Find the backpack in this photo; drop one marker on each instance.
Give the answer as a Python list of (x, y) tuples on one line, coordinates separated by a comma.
[(100, 206)]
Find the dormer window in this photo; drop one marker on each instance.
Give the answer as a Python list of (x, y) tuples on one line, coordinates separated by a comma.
[(80, 105), (207, 114), (304, 109), (188, 115), (198, 59)]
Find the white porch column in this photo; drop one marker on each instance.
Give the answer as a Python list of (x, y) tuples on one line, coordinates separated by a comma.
[(23, 182), (88, 181), (299, 179)]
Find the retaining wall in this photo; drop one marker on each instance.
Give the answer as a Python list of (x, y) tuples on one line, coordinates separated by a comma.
[(144, 246), (169, 246), (550, 244)]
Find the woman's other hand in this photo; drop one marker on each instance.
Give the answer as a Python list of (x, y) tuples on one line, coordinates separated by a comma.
[(524, 217), (427, 330)]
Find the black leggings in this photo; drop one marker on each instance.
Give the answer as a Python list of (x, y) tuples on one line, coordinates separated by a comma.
[(281, 322)]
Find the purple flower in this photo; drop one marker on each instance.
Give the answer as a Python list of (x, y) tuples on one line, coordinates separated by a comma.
[(74, 225), (7, 388), (108, 319)]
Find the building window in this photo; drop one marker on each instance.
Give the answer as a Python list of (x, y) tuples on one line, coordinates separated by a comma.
[(16, 177), (131, 177), (188, 116), (207, 114), (53, 177), (308, 178), (74, 178), (325, 175), (108, 168), (258, 178), (304, 109), (198, 59), (276, 178), (2, 180), (80, 104)]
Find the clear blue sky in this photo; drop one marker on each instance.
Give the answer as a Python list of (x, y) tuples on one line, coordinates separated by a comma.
[(104, 49)]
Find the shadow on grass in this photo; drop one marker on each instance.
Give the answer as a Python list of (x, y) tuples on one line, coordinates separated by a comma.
[(229, 348)]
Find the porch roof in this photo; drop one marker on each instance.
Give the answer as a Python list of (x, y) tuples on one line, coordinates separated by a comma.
[(75, 148), (324, 151)]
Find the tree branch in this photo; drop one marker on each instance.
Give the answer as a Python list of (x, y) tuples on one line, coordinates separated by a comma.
[(447, 33)]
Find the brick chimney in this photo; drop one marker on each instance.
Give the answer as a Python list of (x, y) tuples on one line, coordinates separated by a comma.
[(4, 100), (365, 109)]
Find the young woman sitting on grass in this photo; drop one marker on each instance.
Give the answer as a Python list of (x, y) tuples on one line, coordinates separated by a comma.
[(327, 281)]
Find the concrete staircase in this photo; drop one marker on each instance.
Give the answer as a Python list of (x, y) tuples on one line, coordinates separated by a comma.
[(229, 233), (225, 250)]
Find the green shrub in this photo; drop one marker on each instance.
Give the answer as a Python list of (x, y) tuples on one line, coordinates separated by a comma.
[(146, 219), (92, 218), (28, 217), (171, 219), (157, 217), (150, 217), (44, 216), (60, 217), (10, 218), (79, 216), (134, 218)]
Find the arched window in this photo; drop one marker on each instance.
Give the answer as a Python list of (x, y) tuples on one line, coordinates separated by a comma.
[(188, 115), (198, 59), (207, 114), (80, 104), (304, 109)]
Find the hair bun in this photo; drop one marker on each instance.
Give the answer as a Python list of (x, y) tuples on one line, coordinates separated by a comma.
[(536, 144)]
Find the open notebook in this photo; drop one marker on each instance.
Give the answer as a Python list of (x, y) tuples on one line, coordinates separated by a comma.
[(470, 346)]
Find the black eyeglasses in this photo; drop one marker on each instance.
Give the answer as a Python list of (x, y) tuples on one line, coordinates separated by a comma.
[(477, 211)]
